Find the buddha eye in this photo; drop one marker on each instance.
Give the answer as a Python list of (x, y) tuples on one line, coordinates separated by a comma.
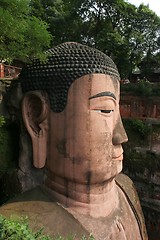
[(106, 111), (103, 111)]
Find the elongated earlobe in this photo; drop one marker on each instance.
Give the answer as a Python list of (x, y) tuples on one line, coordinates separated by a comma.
[(35, 108)]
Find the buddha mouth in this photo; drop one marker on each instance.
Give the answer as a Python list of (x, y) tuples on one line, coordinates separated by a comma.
[(119, 158)]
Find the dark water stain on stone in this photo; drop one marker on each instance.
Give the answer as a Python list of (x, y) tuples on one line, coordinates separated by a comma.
[(88, 178), (61, 146)]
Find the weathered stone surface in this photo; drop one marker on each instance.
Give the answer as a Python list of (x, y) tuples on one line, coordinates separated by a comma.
[(44, 213), (139, 107), (77, 134), (149, 192), (147, 180)]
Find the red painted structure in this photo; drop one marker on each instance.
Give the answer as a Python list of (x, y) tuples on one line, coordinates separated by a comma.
[(140, 107), (8, 71)]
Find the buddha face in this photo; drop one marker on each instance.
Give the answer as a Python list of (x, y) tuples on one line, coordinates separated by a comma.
[(84, 141)]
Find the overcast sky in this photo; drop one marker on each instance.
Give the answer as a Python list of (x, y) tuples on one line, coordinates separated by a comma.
[(153, 4)]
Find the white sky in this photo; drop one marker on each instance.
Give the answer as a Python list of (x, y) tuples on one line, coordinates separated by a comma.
[(153, 4)]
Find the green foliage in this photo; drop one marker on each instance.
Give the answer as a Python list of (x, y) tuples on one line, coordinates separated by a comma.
[(23, 36), (143, 88), (18, 229), (138, 127), (137, 162), (3, 138), (118, 28), (54, 14), (138, 154), (149, 63), (2, 121)]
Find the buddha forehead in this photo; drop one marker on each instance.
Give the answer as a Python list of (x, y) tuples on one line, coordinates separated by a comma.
[(66, 63)]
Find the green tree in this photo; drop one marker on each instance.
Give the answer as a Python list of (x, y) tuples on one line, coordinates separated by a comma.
[(23, 36), (149, 64), (2, 121), (118, 28), (143, 40), (62, 17), (124, 32)]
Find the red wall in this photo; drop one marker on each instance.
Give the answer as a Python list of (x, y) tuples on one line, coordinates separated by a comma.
[(140, 107)]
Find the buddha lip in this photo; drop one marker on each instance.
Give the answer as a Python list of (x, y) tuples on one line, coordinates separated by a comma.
[(119, 158)]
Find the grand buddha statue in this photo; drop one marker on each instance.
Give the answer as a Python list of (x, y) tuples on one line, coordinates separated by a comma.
[(70, 109)]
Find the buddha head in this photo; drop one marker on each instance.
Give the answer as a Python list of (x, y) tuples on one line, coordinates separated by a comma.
[(71, 111)]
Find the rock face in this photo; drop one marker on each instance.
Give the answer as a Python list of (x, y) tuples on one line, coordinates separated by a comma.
[(140, 107), (148, 187), (16, 168), (142, 155)]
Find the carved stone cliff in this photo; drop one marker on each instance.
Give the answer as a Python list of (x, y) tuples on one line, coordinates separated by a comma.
[(141, 116)]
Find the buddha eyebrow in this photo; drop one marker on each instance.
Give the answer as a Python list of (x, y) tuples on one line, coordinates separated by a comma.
[(102, 94)]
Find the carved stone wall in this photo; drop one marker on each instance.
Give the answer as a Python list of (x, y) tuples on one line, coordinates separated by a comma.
[(140, 107), (148, 187), (145, 172)]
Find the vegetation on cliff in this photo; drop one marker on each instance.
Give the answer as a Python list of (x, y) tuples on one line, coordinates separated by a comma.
[(143, 88), (23, 36), (2, 121), (138, 152), (8, 145), (18, 228)]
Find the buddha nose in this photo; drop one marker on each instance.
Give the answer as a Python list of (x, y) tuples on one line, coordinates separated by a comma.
[(119, 133)]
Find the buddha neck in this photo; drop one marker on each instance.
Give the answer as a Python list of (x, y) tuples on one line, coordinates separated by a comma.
[(96, 200)]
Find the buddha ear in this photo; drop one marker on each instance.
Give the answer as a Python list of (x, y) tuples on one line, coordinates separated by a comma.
[(35, 109)]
